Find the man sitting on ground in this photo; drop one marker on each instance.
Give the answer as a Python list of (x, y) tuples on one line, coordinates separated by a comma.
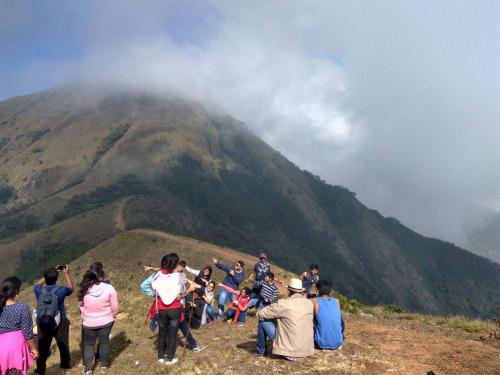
[(328, 332), (289, 324), (267, 294)]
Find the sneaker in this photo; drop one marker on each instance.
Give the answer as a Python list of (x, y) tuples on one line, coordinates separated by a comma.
[(259, 355), (172, 362), (198, 349), (241, 324), (87, 372), (161, 361), (104, 370)]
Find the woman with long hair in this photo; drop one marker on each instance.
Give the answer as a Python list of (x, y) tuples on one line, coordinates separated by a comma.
[(98, 309), (165, 287), (16, 330), (202, 277)]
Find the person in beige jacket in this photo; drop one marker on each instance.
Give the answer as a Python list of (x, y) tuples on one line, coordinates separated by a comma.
[(289, 324)]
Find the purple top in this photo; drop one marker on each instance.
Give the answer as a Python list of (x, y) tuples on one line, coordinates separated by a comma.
[(17, 317)]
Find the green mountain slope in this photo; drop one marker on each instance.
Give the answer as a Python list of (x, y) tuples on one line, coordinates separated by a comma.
[(192, 170)]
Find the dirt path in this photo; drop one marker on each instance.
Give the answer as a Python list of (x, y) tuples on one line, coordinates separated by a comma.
[(218, 251), (120, 223), (228, 253)]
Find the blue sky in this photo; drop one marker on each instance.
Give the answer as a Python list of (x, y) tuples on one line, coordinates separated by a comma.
[(43, 41), (397, 100)]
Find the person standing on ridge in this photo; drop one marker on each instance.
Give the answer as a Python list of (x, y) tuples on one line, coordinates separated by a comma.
[(51, 318), (310, 278), (165, 287), (98, 309), (235, 275)]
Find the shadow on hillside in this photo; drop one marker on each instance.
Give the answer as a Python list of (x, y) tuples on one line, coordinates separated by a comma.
[(117, 344), (251, 345)]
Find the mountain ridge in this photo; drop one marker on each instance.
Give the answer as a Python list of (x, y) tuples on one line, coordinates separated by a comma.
[(198, 172)]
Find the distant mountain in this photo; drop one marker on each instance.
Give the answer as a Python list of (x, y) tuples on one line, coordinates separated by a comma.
[(70, 158), (484, 239)]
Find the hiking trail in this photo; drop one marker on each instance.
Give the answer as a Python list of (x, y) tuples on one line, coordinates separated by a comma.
[(120, 223)]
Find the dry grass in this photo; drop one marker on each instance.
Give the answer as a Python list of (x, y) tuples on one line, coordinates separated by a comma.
[(374, 345)]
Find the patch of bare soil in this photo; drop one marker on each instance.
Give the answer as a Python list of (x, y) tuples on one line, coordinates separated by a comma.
[(120, 223)]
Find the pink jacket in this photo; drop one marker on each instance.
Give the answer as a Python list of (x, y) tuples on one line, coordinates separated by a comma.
[(99, 306)]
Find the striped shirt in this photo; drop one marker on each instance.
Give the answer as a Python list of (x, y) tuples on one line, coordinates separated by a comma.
[(268, 292)]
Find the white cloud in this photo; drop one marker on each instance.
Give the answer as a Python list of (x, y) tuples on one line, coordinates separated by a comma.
[(396, 100)]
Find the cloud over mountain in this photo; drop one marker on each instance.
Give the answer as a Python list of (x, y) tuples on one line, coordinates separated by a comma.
[(397, 100)]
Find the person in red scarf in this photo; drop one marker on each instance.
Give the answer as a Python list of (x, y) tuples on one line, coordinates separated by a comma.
[(238, 308)]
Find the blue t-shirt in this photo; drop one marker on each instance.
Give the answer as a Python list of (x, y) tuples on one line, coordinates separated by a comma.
[(61, 293), (328, 327)]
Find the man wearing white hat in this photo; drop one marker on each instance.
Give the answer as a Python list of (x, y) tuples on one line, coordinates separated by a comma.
[(289, 324)]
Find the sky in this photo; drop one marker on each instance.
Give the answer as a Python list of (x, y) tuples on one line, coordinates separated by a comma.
[(396, 100)]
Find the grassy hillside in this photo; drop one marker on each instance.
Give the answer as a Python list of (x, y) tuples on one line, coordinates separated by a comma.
[(184, 168), (378, 340)]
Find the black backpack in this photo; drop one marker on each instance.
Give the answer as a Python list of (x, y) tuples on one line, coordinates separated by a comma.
[(48, 315)]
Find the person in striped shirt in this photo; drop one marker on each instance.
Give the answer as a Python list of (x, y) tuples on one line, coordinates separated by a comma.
[(267, 294)]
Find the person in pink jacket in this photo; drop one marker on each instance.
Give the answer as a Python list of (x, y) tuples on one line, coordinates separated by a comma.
[(98, 309)]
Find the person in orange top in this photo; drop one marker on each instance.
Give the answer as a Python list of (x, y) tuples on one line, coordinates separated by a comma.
[(238, 308)]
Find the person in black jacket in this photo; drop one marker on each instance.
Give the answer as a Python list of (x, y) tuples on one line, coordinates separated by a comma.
[(193, 311)]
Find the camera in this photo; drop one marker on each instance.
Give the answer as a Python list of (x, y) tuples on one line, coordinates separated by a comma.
[(61, 268)]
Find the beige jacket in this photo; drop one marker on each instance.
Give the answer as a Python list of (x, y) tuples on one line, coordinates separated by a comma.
[(294, 326)]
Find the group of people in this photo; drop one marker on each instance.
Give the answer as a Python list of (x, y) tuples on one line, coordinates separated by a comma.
[(294, 325), (26, 337)]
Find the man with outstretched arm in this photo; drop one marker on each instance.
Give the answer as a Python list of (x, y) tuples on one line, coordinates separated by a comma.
[(234, 277)]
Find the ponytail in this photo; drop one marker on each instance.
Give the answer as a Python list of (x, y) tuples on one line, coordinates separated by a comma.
[(90, 279), (9, 288), (169, 262)]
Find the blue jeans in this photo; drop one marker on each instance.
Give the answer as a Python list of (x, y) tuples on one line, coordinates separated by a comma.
[(189, 337), (242, 318), (257, 302), (210, 312), (223, 296), (265, 329)]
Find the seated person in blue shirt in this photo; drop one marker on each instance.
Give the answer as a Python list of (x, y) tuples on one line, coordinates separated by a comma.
[(328, 327)]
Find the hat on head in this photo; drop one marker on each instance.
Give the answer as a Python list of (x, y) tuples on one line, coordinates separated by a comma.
[(263, 255), (295, 285)]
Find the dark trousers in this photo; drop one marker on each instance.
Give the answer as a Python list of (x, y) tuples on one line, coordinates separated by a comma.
[(90, 336), (168, 323), (189, 337), (61, 334)]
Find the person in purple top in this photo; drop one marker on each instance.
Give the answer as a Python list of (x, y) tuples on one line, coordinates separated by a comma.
[(17, 347), (234, 277)]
